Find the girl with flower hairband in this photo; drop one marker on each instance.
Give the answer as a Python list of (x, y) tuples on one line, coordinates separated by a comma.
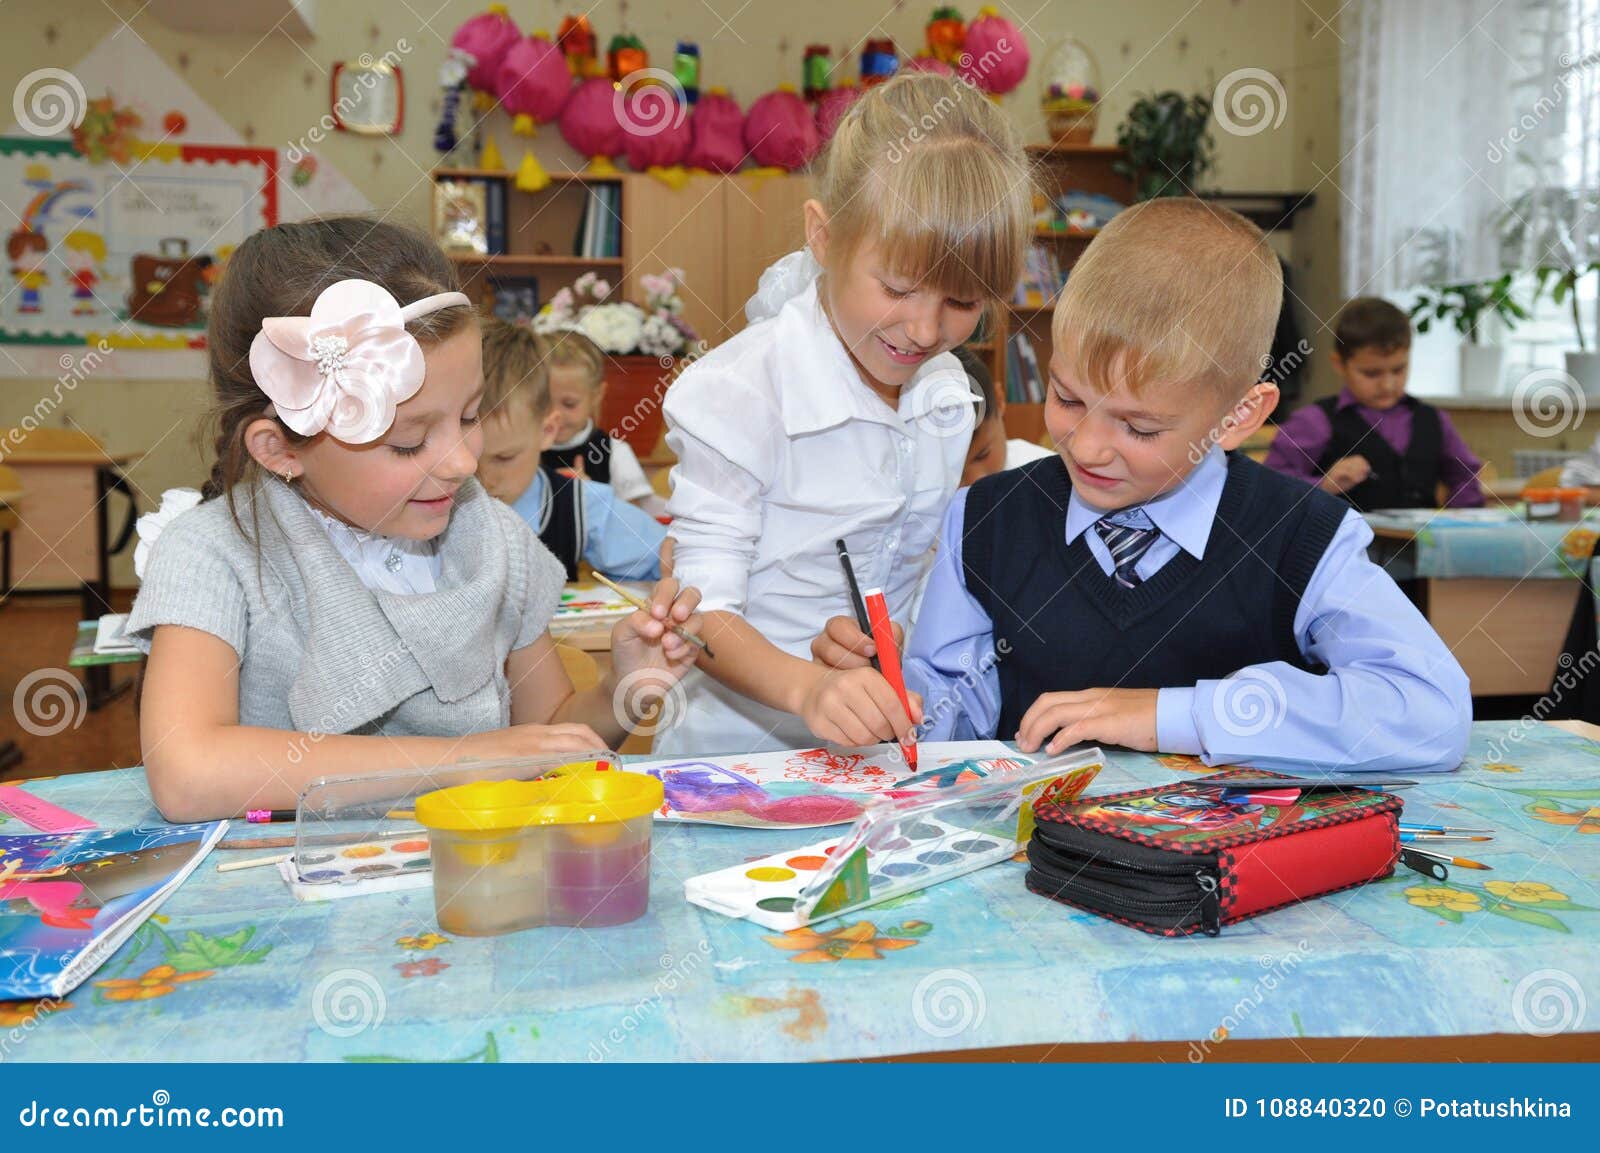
[(344, 596)]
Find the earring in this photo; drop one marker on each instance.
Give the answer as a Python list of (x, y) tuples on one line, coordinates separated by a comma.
[(288, 477)]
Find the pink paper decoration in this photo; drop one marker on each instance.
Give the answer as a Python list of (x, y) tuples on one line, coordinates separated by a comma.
[(831, 107), (655, 125), (589, 122), (716, 133), (779, 131), (995, 56), (487, 37), (533, 82)]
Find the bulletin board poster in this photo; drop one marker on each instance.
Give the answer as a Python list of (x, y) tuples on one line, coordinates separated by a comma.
[(128, 254)]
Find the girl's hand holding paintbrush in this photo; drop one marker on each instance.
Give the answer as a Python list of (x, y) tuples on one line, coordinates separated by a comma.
[(654, 646)]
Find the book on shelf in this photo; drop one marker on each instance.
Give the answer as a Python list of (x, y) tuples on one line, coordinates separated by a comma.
[(1024, 384), (600, 229), (1042, 277)]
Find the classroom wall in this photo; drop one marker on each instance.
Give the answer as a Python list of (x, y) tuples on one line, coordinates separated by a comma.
[(273, 90)]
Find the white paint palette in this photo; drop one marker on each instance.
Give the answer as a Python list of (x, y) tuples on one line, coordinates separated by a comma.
[(380, 865), (895, 847)]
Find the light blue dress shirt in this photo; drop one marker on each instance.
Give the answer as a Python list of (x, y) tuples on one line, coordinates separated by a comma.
[(620, 539), (1394, 698)]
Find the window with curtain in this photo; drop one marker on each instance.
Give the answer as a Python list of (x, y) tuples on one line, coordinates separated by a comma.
[(1471, 147)]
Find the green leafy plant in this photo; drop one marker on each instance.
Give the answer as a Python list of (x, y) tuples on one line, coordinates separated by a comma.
[(1558, 229), (1466, 304), (1167, 141)]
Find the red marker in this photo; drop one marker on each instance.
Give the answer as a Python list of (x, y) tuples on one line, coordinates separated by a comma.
[(889, 659)]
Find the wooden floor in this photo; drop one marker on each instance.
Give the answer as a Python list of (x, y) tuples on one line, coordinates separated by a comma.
[(38, 634)]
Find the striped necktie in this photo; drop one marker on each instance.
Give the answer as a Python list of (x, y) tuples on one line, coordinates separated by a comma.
[(1126, 544)]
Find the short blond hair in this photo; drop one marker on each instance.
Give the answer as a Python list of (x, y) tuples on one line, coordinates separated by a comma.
[(932, 171), (568, 348), (1172, 290), (514, 368)]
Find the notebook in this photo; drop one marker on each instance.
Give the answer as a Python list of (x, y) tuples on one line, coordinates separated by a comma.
[(69, 900)]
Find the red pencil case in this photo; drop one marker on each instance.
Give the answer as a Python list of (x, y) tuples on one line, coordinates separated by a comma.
[(1191, 857)]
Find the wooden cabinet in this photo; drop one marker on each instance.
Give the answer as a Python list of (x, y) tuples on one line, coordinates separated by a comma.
[(722, 231)]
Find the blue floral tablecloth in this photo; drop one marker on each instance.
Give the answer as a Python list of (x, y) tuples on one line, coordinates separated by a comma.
[(233, 968), (1490, 545)]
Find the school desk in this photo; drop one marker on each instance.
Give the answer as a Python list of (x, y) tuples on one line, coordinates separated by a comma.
[(1475, 968), (1500, 593)]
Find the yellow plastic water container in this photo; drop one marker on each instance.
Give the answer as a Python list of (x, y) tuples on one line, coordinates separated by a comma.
[(566, 850)]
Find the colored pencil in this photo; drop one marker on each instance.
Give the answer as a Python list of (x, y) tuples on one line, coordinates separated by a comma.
[(1435, 838), (268, 816), (640, 603), (889, 658), (1462, 862), (1409, 827)]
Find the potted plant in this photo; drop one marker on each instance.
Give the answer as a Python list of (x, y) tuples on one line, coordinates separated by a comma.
[(1558, 229), (1167, 141), (645, 346), (1467, 304)]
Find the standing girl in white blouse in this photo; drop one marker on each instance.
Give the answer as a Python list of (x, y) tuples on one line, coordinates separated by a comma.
[(840, 413), (347, 597)]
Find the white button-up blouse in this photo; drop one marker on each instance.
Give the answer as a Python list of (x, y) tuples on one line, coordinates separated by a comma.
[(782, 450)]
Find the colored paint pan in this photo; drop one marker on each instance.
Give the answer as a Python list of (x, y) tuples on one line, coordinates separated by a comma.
[(897, 846)]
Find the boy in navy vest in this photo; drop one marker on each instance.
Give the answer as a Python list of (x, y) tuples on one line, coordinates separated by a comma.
[(576, 518), (1372, 444), (1150, 587)]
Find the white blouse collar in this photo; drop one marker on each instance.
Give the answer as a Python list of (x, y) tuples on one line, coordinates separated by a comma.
[(388, 564)]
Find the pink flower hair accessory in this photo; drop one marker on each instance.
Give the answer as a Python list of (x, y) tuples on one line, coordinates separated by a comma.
[(347, 366)]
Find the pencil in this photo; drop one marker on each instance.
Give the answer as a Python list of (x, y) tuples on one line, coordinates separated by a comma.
[(856, 603), (268, 816), (1435, 838), (1461, 862), (639, 603)]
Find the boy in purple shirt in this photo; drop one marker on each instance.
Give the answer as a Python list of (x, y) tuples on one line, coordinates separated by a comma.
[(1372, 444)]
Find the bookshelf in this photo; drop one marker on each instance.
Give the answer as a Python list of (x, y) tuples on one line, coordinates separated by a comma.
[(1058, 168), (542, 232)]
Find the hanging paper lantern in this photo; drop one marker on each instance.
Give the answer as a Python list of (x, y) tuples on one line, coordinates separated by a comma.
[(817, 68), (946, 32), (716, 133), (686, 70), (929, 64), (485, 39), (780, 131), (626, 54), (590, 122), (995, 56), (655, 126), (878, 61), (533, 83), (831, 109), (577, 42)]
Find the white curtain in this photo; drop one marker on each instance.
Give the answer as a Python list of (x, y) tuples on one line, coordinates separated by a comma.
[(1433, 98)]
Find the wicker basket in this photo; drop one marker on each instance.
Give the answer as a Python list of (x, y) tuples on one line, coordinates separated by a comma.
[(1071, 121)]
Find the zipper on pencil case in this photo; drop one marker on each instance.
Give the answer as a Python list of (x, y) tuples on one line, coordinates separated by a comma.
[(1207, 900), (1103, 860)]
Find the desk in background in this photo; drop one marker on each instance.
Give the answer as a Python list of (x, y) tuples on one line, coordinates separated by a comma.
[(1500, 592), (1402, 968)]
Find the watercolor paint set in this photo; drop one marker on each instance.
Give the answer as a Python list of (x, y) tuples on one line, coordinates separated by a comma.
[(360, 835), (897, 846)]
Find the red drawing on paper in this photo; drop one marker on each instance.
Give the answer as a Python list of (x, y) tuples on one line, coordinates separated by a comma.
[(829, 768)]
